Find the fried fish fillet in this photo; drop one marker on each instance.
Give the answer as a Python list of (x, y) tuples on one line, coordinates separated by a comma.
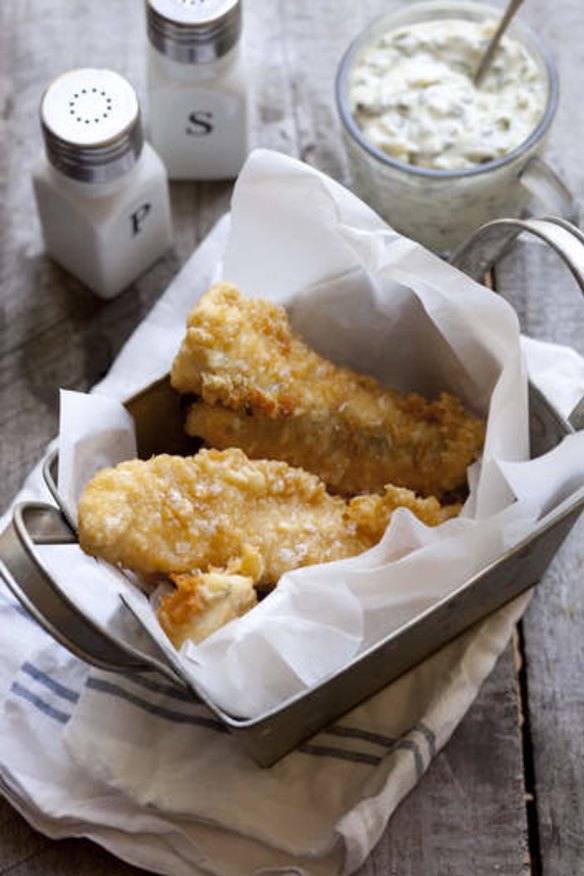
[(202, 603), (174, 515), (218, 524), (261, 388)]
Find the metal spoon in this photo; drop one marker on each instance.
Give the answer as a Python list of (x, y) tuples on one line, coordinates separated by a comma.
[(492, 47)]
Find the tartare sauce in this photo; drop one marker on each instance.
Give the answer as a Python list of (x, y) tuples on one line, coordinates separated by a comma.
[(411, 92)]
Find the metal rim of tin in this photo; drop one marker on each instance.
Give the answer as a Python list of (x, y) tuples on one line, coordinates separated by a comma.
[(194, 43), (94, 162)]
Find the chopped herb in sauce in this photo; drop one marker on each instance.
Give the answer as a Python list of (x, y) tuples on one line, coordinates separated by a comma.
[(412, 94)]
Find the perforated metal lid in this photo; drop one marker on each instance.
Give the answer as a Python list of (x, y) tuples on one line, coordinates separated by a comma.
[(91, 125), (193, 31)]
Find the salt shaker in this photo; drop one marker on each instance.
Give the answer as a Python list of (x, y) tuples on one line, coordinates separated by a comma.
[(197, 87), (101, 192)]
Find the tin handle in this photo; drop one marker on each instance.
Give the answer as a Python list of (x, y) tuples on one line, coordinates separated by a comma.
[(22, 569), (50, 475), (476, 255)]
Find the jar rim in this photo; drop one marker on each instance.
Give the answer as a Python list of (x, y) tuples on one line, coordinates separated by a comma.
[(458, 6)]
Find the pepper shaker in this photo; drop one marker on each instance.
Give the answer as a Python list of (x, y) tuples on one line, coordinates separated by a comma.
[(197, 87), (101, 192)]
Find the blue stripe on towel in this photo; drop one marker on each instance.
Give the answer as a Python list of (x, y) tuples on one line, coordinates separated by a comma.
[(65, 692), (108, 687), (115, 690), (363, 757), (309, 748), (410, 745), (166, 689), (340, 753), (357, 733), (390, 743), (430, 737), (20, 691)]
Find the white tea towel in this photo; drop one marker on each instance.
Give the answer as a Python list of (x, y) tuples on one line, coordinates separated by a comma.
[(133, 765)]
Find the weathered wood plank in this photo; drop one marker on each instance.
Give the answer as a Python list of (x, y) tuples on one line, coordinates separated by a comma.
[(554, 655), (551, 308), (72, 858), (467, 815), (18, 842)]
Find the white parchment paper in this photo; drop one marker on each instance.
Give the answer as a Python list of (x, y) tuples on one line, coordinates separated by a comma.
[(366, 297), (94, 432)]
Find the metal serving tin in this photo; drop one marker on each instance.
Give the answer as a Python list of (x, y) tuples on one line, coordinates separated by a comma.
[(158, 417)]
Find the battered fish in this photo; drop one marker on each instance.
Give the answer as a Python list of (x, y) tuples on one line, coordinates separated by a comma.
[(175, 515), (202, 603), (218, 524), (261, 388)]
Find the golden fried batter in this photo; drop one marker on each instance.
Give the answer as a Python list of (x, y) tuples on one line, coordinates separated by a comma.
[(172, 514), (264, 390), (219, 523), (203, 602)]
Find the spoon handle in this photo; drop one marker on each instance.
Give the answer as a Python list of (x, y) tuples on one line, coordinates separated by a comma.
[(492, 47)]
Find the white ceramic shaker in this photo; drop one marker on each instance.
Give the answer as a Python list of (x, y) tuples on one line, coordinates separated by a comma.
[(197, 87), (101, 192)]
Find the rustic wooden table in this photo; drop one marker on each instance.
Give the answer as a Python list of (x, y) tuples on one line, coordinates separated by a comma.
[(506, 796)]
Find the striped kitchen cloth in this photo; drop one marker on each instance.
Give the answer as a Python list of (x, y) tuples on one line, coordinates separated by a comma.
[(139, 767)]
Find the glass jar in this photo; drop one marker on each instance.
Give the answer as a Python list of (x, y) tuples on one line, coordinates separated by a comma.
[(440, 208)]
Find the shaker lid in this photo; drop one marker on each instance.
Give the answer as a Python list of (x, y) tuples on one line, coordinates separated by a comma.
[(194, 31), (91, 124)]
